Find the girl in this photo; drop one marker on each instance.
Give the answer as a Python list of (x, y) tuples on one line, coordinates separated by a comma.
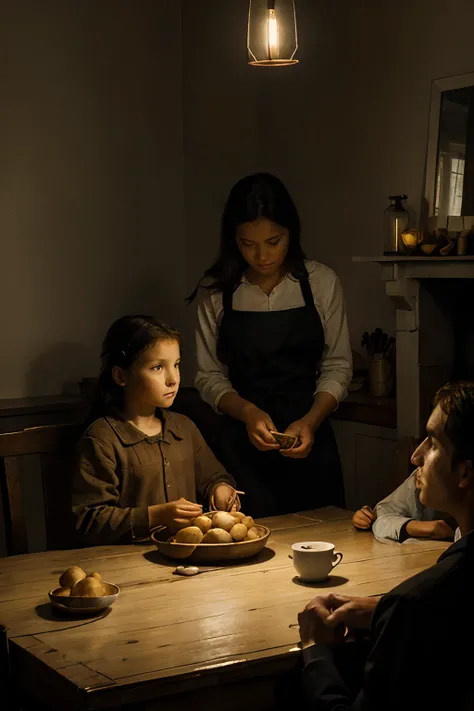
[(139, 465), (273, 353)]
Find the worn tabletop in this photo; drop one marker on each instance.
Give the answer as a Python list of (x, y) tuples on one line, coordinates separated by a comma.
[(167, 634)]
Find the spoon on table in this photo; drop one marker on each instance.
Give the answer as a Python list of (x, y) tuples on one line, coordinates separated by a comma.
[(189, 570)]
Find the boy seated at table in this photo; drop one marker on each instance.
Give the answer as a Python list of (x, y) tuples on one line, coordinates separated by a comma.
[(140, 466), (401, 516)]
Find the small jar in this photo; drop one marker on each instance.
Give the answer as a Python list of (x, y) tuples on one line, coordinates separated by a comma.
[(381, 377)]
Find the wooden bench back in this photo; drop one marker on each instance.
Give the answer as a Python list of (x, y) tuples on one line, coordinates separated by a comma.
[(49, 452)]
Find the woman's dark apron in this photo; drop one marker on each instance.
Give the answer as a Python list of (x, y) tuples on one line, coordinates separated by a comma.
[(272, 359)]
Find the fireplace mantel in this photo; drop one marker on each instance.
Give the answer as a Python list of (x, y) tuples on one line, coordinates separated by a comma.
[(423, 267), (424, 331)]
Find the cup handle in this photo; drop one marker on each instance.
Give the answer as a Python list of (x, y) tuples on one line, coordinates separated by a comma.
[(337, 561)]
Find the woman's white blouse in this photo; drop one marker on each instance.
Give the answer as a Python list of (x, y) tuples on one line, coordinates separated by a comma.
[(335, 368)]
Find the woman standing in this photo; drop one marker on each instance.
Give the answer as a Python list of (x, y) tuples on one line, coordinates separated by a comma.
[(273, 353)]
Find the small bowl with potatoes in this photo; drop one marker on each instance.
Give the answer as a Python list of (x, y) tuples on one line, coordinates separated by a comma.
[(82, 593), (213, 537)]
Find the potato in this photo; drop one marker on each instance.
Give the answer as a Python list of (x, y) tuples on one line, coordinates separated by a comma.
[(87, 587), (237, 515), (97, 576), (202, 522), (238, 532), (252, 534), (64, 592), (224, 520), (217, 535), (71, 576), (248, 521), (190, 534)]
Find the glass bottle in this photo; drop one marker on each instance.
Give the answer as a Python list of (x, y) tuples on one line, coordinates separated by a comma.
[(396, 218)]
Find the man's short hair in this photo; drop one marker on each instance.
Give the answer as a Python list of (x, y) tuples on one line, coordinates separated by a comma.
[(457, 402)]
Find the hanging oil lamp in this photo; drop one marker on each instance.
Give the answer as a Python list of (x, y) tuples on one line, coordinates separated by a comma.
[(272, 34)]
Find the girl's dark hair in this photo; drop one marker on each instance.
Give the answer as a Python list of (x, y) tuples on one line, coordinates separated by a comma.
[(259, 195), (125, 340)]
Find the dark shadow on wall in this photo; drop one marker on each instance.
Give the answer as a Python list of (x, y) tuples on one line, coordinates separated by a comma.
[(59, 369)]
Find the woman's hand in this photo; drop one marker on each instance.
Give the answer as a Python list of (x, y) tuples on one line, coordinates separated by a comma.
[(174, 515), (258, 425), (224, 497), (363, 518), (304, 433)]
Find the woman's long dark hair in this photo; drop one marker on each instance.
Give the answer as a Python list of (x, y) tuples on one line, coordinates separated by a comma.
[(259, 195), (125, 340)]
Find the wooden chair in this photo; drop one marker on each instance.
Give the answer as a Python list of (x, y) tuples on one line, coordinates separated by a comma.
[(49, 451)]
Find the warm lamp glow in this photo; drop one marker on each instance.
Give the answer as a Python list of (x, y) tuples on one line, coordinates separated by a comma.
[(273, 47), (272, 36)]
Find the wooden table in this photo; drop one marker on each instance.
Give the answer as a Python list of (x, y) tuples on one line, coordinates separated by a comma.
[(223, 634)]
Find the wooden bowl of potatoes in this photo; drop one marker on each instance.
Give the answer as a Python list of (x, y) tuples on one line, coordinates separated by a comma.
[(83, 594), (214, 537)]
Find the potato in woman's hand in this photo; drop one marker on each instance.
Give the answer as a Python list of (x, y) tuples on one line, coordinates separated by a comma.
[(224, 520), (202, 522), (71, 576), (238, 532), (190, 534)]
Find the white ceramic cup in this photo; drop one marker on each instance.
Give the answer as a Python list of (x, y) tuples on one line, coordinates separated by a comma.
[(314, 560)]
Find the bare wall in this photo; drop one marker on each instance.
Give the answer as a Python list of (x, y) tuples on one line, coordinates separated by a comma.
[(352, 122), (99, 100), (225, 135), (91, 183)]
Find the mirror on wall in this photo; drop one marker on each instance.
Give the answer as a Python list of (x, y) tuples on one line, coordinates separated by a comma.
[(449, 188)]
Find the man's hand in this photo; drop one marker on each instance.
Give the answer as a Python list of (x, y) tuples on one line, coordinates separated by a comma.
[(326, 618), (355, 613), (174, 515), (313, 624), (304, 434), (363, 518), (258, 425)]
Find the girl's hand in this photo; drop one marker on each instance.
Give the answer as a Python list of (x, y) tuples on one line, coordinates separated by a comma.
[(174, 515), (305, 437), (363, 518), (224, 497), (258, 425)]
